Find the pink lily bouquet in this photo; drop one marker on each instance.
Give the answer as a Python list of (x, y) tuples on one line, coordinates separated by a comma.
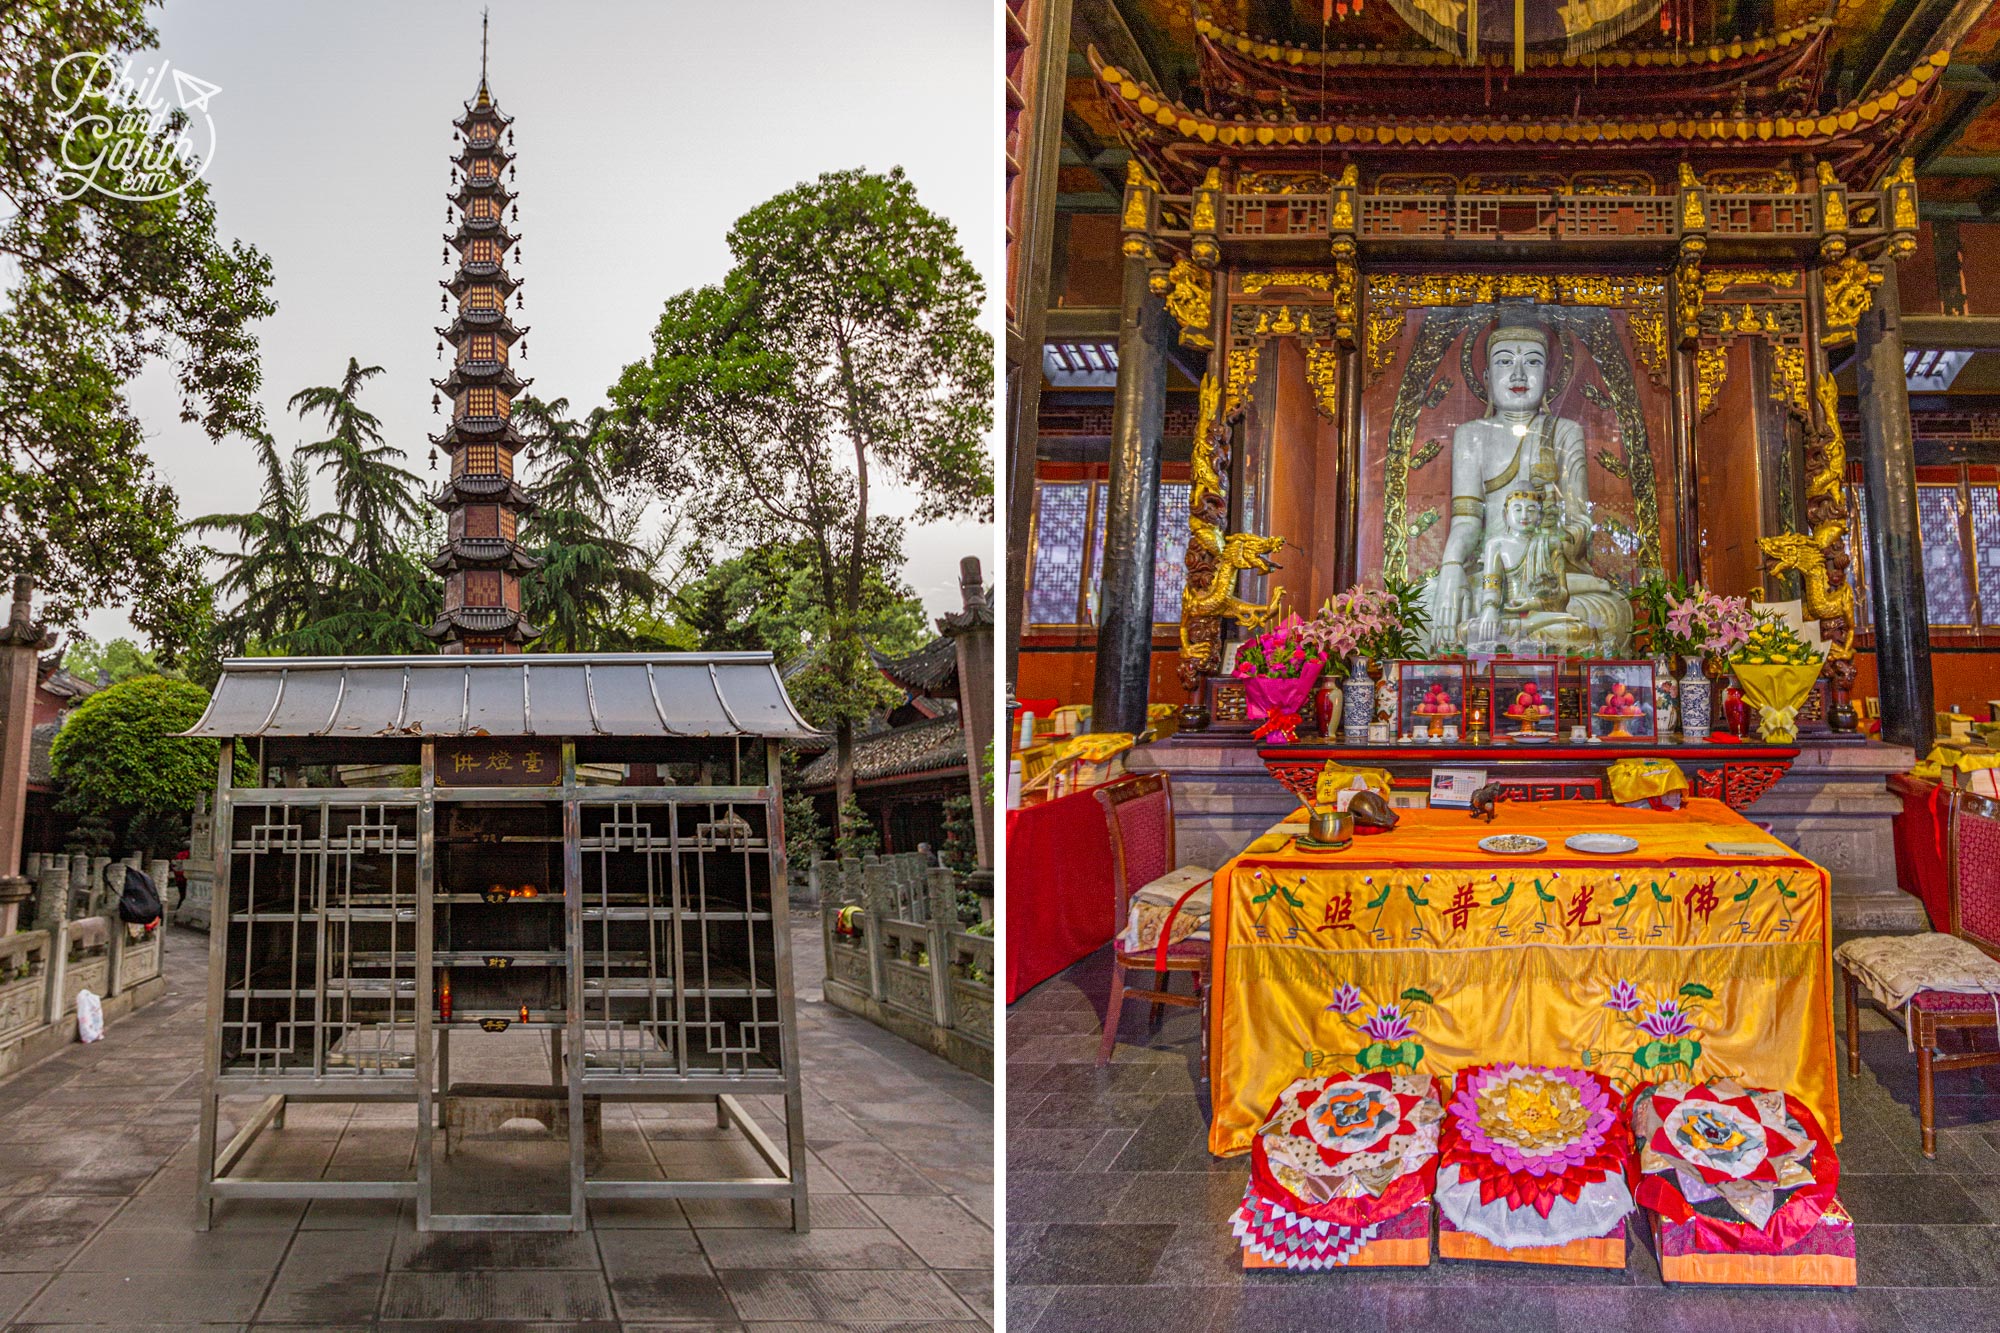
[(1279, 668), (1379, 623), (1705, 624)]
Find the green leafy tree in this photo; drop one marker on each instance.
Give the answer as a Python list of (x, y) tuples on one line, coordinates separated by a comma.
[(118, 758), (119, 660), (286, 562), (843, 345), (377, 496), (595, 583), (99, 290), (858, 836)]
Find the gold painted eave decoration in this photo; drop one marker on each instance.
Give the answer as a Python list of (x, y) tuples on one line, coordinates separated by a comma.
[(1288, 56), (1189, 125)]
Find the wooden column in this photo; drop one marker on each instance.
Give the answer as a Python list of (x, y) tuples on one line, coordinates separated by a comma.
[(1895, 556), (1131, 529), (1041, 146)]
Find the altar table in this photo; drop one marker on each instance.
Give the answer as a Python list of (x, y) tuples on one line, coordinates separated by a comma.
[(1415, 949), (1058, 905)]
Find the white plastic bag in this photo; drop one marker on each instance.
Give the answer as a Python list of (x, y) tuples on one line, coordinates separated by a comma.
[(89, 1016)]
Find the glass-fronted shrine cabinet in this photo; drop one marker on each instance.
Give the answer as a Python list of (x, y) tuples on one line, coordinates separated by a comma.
[(508, 892)]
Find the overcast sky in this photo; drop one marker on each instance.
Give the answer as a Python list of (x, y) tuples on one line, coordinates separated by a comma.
[(643, 131)]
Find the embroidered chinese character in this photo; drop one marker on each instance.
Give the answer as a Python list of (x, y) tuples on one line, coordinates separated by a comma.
[(1701, 900), (1578, 911), (1460, 907), (1339, 913)]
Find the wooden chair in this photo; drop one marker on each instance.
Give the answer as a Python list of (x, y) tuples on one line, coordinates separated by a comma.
[(1973, 875), (1140, 814)]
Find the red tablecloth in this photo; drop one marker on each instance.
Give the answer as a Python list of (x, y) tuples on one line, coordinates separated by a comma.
[(1920, 834), (1058, 904)]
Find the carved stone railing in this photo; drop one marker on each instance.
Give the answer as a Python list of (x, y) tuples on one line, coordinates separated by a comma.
[(897, 955), (76, 943)]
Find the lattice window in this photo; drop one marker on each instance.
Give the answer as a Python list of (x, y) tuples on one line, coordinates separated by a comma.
[(482, 587), (484, 169), (1986, 551), (483, 209), (482, 402), (483, 250), (482, 520), (482, 298), (482, 347), (1947, 573), (1062, 520), (1169, 571)]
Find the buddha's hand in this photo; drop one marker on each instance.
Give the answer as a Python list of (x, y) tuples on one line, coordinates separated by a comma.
[(1486, 626), (1449, 606)]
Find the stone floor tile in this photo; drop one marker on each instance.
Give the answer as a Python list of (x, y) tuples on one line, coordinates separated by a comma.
[(488, 1296), (329, 1277), (182, 1250), (827, 1211), (455, 1251), (941, 1230), (871, 1168), (1908, 1199), (140, 1299), (975, 1287), (1102, 1254), (662, 1275), (741, 1247), (847, 1297), (41, 1235)]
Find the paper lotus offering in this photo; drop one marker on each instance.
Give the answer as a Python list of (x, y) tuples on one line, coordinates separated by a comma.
[(1750, 1169), (1341, 1173), (1532, 1156)]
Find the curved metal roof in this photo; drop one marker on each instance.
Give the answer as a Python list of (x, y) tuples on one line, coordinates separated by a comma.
[(522, 694)]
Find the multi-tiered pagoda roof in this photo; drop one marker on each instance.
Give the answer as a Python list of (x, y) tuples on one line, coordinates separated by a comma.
[(482, 561)]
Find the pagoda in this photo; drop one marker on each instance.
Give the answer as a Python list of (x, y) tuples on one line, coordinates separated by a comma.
[(482, 560)]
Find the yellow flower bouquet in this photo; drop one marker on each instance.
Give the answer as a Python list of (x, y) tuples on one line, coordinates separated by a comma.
[(1777, 669)]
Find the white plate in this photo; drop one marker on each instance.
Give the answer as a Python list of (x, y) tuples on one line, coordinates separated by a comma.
[(1606, 844), (1513, 844)]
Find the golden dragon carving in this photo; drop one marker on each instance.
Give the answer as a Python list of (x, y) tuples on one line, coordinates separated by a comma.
[(1214, 558), (1820, 558)]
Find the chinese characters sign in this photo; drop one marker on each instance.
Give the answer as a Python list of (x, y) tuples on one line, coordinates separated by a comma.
[(499, 761)]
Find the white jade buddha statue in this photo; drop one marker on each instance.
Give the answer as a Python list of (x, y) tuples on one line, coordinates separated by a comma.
[(1519, 453)]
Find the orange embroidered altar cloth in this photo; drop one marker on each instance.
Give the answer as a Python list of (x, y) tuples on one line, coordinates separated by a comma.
[(1414, 949)]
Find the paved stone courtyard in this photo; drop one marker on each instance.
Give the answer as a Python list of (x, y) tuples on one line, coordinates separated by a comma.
[(97, 1180), (1117, 1217)]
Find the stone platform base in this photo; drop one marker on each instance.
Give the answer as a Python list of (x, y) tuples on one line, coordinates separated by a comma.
[(46, 1041), (1833, 805)]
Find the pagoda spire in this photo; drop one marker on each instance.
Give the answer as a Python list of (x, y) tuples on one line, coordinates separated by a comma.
[(482, 560)]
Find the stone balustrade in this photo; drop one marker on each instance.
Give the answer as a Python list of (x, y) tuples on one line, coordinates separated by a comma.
[(72, 941), (901, 960)]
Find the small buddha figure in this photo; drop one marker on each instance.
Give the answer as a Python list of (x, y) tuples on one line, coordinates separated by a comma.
[(1520, 445)]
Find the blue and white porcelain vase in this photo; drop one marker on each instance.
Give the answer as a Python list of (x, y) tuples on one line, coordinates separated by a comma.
[(1697, 706), (1357, 701)]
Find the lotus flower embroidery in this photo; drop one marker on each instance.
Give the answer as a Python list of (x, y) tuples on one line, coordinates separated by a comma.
[(1346, 999), (1666, 1022), (1624, 998), (1388, 1024)]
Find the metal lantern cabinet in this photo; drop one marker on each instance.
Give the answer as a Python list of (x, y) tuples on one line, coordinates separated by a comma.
[(417, 852)]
